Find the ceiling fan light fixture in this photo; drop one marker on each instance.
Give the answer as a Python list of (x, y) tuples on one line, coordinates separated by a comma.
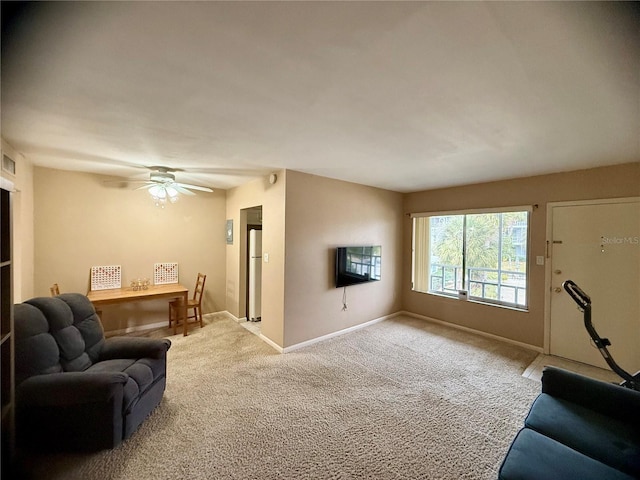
[(171, 192), (161, 192), (162, 186), (157, 191)]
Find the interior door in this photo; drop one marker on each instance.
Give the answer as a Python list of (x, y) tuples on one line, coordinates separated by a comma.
[(598, 247)]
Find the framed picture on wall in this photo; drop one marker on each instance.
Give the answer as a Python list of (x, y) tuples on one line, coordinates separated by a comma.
[(229, 232)]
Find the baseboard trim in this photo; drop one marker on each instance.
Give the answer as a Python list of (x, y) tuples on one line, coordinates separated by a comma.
[(150, 326), (262, 337), (271, 343), (138, 328), (313, 341), (229, 315), (338, 333), (474, 331)]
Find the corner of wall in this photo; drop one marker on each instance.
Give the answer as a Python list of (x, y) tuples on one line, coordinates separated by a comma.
[(271, 196)]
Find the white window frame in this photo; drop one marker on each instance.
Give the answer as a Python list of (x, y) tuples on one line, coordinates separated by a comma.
[(416, 250)]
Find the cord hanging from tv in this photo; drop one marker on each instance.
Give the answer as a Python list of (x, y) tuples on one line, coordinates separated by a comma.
[(355, 265)]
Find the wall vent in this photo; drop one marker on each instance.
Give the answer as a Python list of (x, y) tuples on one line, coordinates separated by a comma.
[(8, 165)]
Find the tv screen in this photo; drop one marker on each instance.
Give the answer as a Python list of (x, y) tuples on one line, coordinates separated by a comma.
[(356, 265)]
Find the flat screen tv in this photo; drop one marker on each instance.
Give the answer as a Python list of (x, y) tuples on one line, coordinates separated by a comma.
[(356, 265)]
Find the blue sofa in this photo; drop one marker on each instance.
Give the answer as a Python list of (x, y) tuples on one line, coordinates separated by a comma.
[(577, 428), (76, 390)]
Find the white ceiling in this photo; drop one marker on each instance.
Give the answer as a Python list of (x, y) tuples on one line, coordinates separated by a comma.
[(405, 96)]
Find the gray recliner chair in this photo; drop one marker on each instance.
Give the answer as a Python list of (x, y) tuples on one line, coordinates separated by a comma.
[(76, 390)]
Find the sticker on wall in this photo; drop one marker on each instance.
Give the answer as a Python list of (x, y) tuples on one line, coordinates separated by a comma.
[(164, 273), (106, 277)]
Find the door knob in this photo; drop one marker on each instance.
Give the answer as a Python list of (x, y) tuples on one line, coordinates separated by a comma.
[(557, 289)]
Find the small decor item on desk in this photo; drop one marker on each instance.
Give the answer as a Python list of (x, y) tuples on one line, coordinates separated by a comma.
[(140, 284)]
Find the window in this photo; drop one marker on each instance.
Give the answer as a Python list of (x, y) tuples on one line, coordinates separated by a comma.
[(484, 253)]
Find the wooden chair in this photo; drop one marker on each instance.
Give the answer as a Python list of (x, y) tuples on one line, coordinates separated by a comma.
[(194, 303), (55, 290)]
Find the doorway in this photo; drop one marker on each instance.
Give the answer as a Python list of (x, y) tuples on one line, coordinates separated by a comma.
[(597, 245)]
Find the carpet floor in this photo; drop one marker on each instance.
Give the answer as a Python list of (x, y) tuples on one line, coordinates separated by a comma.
[(400, 399)]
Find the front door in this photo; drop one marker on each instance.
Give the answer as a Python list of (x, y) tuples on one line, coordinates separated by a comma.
[(597, 245)]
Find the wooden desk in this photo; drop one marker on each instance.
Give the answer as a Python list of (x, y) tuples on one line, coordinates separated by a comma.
[(153, 292)]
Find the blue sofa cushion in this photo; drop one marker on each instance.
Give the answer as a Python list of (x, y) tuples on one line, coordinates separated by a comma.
[(69, 339), (35, 346), (86, 320), (533, 456), (601, 437), (142, 374), (605, 398)]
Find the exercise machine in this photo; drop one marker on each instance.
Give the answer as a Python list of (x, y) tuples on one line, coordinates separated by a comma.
[(584, 303)]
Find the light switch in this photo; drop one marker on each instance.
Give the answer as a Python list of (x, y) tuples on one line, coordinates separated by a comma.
[(266, 257), (539, 260)]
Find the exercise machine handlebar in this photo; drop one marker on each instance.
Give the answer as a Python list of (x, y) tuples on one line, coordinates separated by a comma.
[(584, 302), (582, 299)]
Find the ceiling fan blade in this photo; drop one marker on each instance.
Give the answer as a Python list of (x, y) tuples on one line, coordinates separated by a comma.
[(194, 187), (147, 184), (180, 189)]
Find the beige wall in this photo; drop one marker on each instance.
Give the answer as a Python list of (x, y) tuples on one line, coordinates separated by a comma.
[(527, 327), (322, 214), (23, 244), (272, 199), (82, 222), (304, 217)]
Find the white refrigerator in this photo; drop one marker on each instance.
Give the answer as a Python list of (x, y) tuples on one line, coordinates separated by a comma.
[(255, 275)]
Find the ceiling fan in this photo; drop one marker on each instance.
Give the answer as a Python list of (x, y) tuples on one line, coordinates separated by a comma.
[(162, 185)]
